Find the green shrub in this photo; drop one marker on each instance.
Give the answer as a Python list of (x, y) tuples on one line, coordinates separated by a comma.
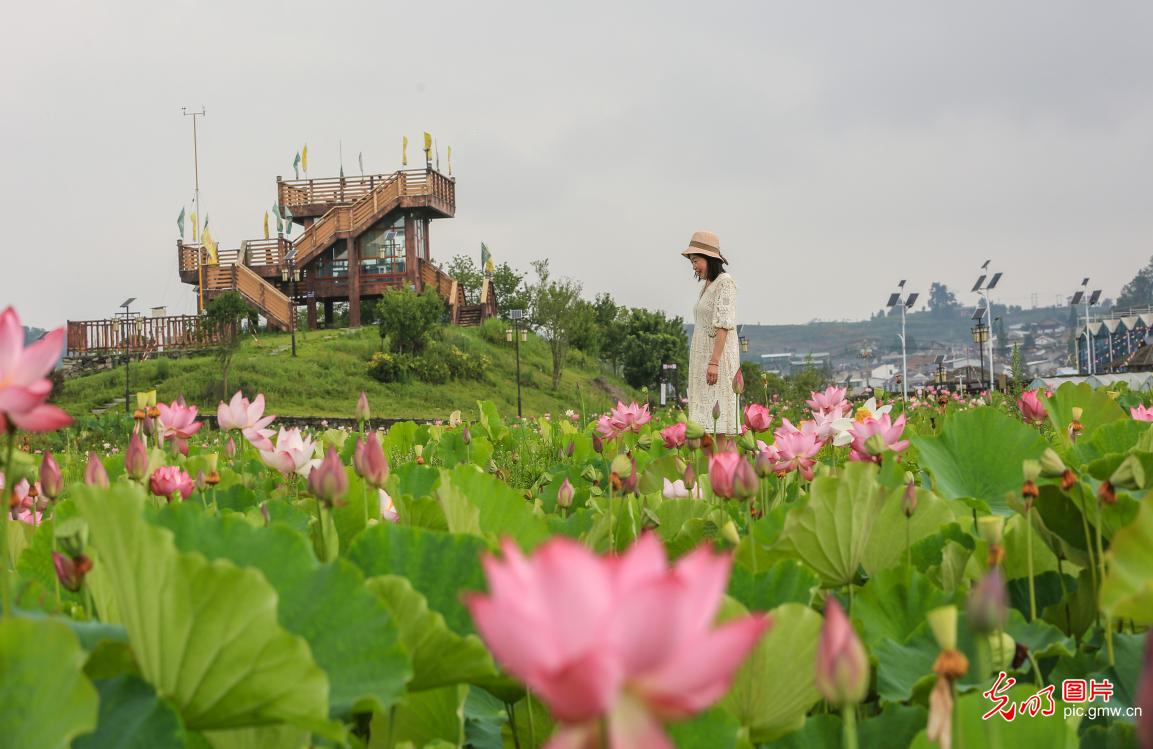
[(432, 367), (492, 330), (386, 366)]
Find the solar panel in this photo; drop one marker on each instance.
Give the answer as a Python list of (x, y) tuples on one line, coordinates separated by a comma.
[(1094, 297), (901, 285), (1084, 281), (977, 286), (911, 300), (1077, 298), (978, 314), (986, 265), (993, 282), (893, 300)]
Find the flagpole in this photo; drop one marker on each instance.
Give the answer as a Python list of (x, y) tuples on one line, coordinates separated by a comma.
[(196, 203)]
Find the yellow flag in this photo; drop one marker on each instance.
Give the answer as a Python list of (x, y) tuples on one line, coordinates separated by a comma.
[(304, 158), (266, 224), (427, 145), (450, 161), (404, 152), (194, 226), (210, 248)]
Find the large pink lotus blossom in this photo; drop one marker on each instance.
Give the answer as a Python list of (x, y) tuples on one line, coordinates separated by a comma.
[(833, 397), (1140, 413), (168, 481), (731, 476), (248, 418), (797, 451), (625, 640), (178, 423), (888, 437), (674, 436), (24, 383), (1032, 409), (623, 418), (833, 426), (758, 417), (293, 453)]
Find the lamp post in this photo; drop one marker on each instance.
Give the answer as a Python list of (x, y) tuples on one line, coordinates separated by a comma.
[(516, 315), (906, 303), (290, 275), (1089, 298), (667, 370), (127, 349), (981, 288), (980, 333)]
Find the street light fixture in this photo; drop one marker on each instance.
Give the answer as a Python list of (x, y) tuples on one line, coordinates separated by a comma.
[(906, 303), (1090, 299), (290, 274), (980, 333), (516, 315), (127, 348), (981, 288)]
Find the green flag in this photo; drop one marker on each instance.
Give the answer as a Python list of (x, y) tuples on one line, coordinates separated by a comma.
[(485, 258), (296, 165), (180, 222), (288, 221), (279, 218)]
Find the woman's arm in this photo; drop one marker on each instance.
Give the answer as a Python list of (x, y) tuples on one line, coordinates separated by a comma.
[(715, 359)]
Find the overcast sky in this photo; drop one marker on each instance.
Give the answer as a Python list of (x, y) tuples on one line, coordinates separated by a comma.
[(834, 147)]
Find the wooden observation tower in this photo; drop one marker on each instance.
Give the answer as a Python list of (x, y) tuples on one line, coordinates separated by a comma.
[(361, 236)]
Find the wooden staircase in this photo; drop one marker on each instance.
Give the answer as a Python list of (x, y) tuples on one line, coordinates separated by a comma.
[(275, 306), (470, 315)]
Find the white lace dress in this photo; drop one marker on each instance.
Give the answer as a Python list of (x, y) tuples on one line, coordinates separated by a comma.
[(716, 307)]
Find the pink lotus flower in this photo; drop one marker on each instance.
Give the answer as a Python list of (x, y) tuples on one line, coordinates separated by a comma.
[(758, 417), (328, 482), (293, 453), (24, 383), (246, 417), (387, 508), (622, 639), (1032, 409), (833, 397), (678, 490), (362, 410), (842, 675), (833, 425), (168, 481), (797, 451), (1140, 413), (136, 458), (874, 433), (50, 478), (25, 502), (369, 461), (674, 436), (178, 423), (624, 418), (94, 473), (731, 476)]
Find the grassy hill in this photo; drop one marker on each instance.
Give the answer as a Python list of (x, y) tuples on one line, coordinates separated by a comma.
[(331, 369)]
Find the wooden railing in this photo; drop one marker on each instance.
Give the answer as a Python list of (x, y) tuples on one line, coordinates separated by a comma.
[(264, 252), (240, 278), (335, 190), (342, 219), (488, 300), (140, 335)]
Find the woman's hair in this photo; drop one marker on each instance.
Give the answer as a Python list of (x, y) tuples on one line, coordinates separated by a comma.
[(715, 267)]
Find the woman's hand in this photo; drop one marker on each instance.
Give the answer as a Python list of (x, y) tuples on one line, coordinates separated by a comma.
[(711, 374)]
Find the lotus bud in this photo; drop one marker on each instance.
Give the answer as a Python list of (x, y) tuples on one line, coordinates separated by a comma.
[(136, 458), (466, 435), (1002, 648), (988, 606), (1051, 464), (230, 449), (842, 674), (909, 499), (1129, 475), (745, 480), (564, 495), (748, 441), (739, 382), (764, 464), (568, 451), (94, 473), (730, 534), (328, 482), (943, 623), (716, 410), (71, 571), (369, 461), (693, 430), (51, 481), (363, 413), (598, 444), (264, 513), (991, 528), (875, 444), (690, 477)]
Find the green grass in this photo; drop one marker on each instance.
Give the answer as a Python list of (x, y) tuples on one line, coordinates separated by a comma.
[(331, 369)]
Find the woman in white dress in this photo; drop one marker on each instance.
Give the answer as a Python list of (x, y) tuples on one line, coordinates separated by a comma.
[(714, 356)]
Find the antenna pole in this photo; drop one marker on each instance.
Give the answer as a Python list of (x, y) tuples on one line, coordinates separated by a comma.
[(196, 204)]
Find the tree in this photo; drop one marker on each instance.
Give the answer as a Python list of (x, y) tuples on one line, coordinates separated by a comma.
[(1017, 369), (584, 333), (224, 314), (510, 289), (408, 319), (552, 303), (613, 332), (650, 340), (941, 300), (464, 270), (1139, 291)]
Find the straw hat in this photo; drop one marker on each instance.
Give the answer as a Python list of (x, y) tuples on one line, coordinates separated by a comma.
[(705, 243)]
